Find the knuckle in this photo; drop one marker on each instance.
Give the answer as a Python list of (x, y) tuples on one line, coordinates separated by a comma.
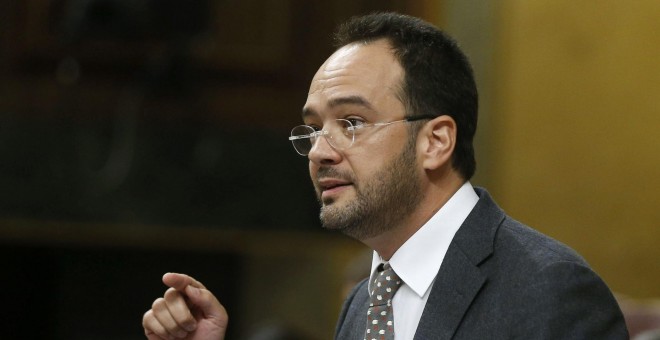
[(158, 304), (151, 326), (171, 293), (186, 320), (148, 315)]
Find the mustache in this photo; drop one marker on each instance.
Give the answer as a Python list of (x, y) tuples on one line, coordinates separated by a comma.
[(326, 171)]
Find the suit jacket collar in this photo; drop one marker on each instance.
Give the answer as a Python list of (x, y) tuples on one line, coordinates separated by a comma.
[(460, 278)]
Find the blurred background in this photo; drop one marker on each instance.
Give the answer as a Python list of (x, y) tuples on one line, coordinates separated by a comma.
[(139, 137)]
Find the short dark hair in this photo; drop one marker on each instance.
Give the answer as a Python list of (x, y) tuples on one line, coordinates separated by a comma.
[(438, 77)]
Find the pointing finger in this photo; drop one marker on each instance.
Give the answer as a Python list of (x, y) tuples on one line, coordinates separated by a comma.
[(181, 281)]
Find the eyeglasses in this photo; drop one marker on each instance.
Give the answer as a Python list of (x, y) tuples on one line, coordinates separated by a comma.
[(340, 134)]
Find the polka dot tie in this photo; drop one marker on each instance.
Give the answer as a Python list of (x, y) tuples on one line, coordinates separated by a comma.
[(380, 321)]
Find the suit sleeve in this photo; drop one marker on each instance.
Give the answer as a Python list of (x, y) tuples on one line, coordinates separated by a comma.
[(567, 300)]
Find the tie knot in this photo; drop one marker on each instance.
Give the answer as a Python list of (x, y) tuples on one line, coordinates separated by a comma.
[(384, 286)]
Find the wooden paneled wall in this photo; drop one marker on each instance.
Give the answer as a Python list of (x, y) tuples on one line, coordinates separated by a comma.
[(575, 130)]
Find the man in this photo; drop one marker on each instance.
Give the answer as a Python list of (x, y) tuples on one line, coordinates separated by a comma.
[(388, 128)]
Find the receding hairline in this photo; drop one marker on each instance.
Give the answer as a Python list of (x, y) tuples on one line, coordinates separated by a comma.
[(397, 88)]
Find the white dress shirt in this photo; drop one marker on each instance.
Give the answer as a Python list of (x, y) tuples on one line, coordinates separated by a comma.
[(418, 260)]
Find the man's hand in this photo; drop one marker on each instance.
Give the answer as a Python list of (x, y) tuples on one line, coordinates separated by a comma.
[(187, 311)]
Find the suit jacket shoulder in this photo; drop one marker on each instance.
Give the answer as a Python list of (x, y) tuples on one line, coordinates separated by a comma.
[(503, 280)]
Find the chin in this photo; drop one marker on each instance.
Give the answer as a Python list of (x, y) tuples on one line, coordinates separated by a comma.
[(327, 202)]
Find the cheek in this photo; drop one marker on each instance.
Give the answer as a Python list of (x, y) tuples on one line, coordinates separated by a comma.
[(381, 153), (312, 172), (366, 164)]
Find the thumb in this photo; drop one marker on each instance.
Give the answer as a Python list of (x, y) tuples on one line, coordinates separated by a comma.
[(208, 304)]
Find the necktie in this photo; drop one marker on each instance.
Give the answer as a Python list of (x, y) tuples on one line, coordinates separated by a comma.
[(380, 321)]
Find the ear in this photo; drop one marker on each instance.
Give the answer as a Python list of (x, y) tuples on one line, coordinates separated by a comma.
[(437, 141)]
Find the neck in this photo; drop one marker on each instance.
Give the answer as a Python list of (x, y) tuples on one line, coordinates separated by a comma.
[(435, 197)]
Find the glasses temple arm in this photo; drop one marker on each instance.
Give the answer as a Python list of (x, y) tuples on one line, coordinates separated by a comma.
[(421, 117)]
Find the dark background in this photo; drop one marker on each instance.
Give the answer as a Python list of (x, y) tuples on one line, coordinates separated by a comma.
[(122, 118)]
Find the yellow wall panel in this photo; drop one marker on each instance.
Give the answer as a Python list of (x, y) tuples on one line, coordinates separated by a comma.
[(577, 130)]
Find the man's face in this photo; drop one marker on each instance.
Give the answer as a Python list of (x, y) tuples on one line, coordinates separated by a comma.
[(372, 186)]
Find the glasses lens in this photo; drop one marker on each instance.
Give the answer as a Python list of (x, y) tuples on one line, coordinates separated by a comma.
[(341, 134), (303, 144)]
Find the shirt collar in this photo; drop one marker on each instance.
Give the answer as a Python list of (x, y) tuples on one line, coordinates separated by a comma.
[(418, 260)]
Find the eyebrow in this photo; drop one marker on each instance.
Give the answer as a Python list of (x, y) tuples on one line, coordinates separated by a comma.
[(348, 100)]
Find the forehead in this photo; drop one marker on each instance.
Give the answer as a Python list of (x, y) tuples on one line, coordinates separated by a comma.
[(357, 74)]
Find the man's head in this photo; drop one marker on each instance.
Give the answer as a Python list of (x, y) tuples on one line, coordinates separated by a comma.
[(371, 167), (438, 78)]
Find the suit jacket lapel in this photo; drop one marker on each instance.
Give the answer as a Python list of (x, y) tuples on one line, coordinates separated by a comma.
[(459, 278)]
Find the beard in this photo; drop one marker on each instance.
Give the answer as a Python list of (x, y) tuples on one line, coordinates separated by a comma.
[(385, 199)]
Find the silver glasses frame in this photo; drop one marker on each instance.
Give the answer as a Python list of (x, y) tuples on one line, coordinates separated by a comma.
[(351, 128)]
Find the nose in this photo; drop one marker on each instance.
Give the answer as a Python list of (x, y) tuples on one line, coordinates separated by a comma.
[(322, 153)]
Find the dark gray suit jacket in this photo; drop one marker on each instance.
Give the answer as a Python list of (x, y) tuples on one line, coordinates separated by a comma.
[(503, 280)]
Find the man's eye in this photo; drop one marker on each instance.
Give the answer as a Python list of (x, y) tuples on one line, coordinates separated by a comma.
[(356, 122)]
